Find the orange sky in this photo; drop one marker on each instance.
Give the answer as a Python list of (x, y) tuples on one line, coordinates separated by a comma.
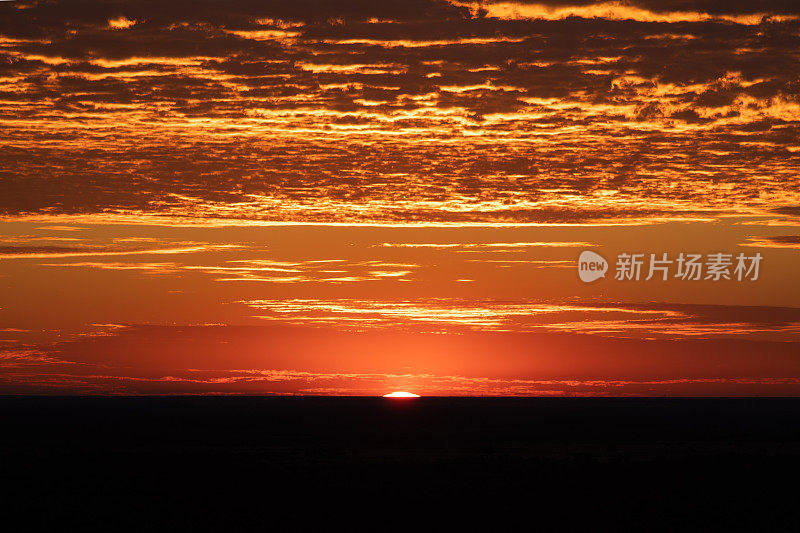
[(278, 198)]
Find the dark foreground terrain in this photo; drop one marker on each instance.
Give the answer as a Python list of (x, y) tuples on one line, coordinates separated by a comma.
[(371, 464)]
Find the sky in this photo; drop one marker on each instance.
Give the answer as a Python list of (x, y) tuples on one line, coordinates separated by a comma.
[(353, 198)]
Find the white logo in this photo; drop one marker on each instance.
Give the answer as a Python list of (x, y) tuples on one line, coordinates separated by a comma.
[(591, 266)]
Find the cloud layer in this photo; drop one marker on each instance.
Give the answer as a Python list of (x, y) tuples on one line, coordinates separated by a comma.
[(427, 111)]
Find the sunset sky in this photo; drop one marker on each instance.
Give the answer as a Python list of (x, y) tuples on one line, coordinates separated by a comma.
[(357, 197)]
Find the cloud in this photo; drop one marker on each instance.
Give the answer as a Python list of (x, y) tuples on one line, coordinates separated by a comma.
[(639, 11), (27, 252), (60, 228), (774, 241), (313, 271), (427, 112), (488, 246), (671, 321), (150, 268), (292, 360), (244, 270)]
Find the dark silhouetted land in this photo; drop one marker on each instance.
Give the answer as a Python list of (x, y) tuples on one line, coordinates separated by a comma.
[(370, 464)]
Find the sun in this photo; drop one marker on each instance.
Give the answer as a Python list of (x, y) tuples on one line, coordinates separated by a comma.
[(401, 394)]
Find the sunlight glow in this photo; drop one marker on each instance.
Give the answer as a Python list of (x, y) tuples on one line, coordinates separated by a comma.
[(400, 394)]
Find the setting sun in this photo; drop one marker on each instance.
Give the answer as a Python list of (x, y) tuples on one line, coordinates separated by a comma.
[(401, 394)]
